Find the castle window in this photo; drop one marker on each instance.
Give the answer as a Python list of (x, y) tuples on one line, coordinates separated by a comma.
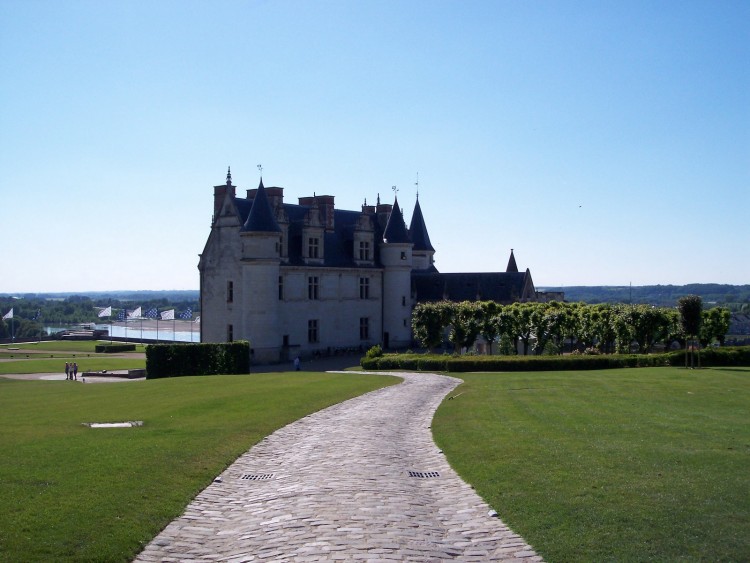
[(281, 288), (312, 331), (364, 288), (403, 256), (312, 287), (230, 333), (364, 250), (403, 300), (364, 328), (313, 247), (230, 292)]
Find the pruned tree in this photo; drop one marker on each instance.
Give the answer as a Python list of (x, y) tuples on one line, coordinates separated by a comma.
[(429, 321), (488, 325), (691, 315), (465, 323), (715, 325)]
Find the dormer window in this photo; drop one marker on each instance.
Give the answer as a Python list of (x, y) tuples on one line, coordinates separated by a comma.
[(364, 250), (313, 247)]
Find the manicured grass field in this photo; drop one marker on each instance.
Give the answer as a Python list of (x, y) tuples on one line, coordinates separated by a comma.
[(72, 493), (96, 362), (648, 464), (50, 357), (60, 346)]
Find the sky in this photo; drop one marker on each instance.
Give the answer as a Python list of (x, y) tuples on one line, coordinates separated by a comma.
[(606, 142)]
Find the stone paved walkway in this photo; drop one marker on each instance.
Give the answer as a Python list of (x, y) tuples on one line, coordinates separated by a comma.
[(335, 485)]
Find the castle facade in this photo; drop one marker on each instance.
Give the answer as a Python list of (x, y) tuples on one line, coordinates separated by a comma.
[(305, 279)]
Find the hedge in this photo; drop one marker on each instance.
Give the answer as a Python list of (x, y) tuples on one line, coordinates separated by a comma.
[(729, 356), (175, 360), (114, 348)]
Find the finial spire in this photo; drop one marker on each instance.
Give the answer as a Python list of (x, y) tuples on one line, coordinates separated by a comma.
[(378, 198), (417, 184), (229, 175), (260, 169)]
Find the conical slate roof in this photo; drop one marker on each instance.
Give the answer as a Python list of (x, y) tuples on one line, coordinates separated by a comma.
[(261, 219), (512, 267), (418, 230), (395, 229)]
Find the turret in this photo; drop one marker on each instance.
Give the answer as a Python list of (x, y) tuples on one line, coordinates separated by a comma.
[(423, 251), (261, 250), (396, 258), (223, 198)]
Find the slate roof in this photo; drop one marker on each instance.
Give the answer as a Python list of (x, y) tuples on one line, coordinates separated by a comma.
[(418, 231), (260, 219), (395, 230), (503, 287), (338, 244)]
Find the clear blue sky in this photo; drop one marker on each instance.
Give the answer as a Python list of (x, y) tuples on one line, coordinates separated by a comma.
[(606, 142)]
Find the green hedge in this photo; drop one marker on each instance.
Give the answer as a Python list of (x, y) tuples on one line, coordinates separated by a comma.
[(174, 360), (718, 357), (114, 348), (730, 356)]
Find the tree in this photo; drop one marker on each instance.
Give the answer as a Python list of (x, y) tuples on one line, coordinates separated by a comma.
[(691, 313), (465, 324), (488, 325), (605, 327), (622, 325), (521, 313), (714, 325), (428, 321), (507, 330)]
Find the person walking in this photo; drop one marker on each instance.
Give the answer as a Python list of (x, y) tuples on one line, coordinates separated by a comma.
[(75, 371), (296, 363), (67, 370)]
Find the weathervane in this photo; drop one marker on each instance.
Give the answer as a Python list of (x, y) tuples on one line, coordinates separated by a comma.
[(395, 190), (417, 184), (260, 169)]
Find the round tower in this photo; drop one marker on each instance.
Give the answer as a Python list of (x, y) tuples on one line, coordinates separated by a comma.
[(396, 258), (261, 259)]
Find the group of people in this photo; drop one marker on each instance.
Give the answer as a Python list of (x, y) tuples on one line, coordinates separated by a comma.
[(71, 371)]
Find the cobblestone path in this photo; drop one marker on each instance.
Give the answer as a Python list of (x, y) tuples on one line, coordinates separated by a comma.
[(336, 485)]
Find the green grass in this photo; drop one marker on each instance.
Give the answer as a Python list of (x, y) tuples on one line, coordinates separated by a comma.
[(52, 359), (70, 493), (85, 363), (617, 465), (58, 345)]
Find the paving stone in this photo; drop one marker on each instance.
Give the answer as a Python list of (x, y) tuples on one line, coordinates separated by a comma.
[(341, 491)]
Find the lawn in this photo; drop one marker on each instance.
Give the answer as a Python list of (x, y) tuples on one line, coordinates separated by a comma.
[(50, 357), (95, 362), (72, 493), (619, 465), (73, 346)]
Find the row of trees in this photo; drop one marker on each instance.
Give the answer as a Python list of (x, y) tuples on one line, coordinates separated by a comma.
[(544, 327)]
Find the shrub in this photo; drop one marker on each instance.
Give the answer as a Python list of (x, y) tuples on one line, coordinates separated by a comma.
[(174, 360), (374, 352), (730, 356), (114, 348)]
